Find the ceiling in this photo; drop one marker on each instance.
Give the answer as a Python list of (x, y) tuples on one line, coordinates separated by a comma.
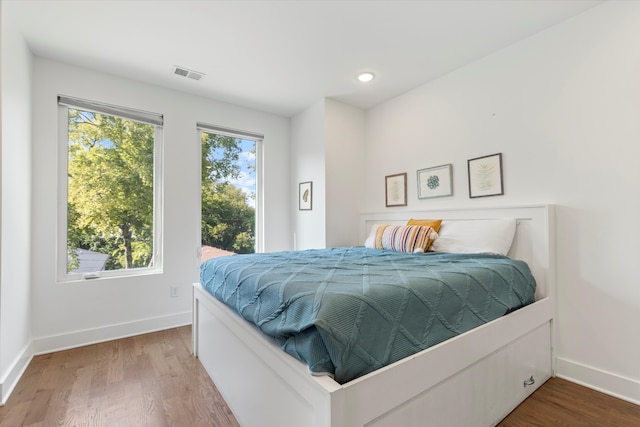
[(282, 56)]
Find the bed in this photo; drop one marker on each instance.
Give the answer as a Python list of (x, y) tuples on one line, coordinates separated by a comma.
[(475, 378)]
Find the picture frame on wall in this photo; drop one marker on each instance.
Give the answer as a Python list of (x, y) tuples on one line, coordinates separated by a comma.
[(435, 182), (485, 176), (305, 196), (395, 190)]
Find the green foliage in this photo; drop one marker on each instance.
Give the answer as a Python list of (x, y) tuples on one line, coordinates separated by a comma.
[(220, 156), (228, 222), (111, 191), (110, 188)]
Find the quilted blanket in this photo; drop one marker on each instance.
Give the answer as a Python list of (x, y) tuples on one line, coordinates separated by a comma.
[(349, 311)]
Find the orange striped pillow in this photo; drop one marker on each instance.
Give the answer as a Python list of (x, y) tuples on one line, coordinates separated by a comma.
[(401, 238), (433, 223)]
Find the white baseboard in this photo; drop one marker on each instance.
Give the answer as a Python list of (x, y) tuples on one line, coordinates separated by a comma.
[(606, 382), (14, 373), (84, 337), (81, 338)]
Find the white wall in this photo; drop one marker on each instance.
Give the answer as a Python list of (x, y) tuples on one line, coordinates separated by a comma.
[(15, 257), (327, 148), (344, 175), (308, 164), (563, 107), (69, 314)]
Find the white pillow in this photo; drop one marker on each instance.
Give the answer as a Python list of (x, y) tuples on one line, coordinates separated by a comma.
[(370, 241), (476, 236)]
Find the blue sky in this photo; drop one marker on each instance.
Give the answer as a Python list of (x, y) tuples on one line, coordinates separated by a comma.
[(247, 179)]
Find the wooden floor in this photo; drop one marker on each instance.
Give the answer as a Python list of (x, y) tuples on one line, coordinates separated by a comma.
[(153, 380), (562, 403), (148, 380)]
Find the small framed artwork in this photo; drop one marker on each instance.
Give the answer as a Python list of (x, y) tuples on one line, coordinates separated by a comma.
[(435, 182), (305, 196), (485, 176), (395, 189)]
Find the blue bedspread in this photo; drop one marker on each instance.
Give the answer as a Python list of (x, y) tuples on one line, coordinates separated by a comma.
[(349, 311)]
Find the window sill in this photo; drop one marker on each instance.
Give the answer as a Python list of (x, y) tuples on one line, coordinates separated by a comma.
[(108, 275)]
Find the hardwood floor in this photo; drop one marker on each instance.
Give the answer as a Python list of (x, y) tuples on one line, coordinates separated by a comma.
[(148, 380), (562, 403), (153, 380)]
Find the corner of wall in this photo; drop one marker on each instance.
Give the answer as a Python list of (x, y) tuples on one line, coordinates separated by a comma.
[(609, 383), (15, 203), (14, 373), (308, 164)]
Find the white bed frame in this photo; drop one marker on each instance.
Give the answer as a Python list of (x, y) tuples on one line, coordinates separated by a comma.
[(474, 379)]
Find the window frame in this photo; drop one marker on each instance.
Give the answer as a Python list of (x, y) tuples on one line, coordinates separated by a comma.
[(240, 134), (64, 104)]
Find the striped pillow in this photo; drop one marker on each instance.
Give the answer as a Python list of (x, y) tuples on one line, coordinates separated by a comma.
[(433, 223), (401, 238)]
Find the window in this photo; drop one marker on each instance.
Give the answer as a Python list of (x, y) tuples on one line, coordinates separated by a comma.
[(230, 191), (110, 214)]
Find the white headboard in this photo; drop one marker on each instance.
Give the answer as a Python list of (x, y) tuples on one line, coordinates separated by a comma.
[(534, 241)]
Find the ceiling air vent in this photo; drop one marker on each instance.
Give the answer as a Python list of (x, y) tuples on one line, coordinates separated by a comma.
[(185, 72)]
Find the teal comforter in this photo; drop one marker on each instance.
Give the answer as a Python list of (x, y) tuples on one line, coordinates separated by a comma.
[(349, 311)]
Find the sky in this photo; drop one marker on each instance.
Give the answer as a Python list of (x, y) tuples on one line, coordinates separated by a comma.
[(247, 179)]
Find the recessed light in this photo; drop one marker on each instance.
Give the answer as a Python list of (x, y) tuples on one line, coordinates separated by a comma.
[(366, 77)]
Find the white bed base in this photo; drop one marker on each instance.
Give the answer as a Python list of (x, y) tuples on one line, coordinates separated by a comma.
[(474, 379)]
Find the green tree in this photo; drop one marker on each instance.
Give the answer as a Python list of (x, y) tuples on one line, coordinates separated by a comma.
[(110, 191), (228, 222), (110, 188)]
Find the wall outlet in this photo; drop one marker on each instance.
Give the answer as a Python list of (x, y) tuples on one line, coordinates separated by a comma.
[(174, 291)]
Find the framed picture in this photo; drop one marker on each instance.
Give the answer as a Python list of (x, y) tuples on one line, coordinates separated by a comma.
[(395, 189), (435, 182), (485, 176), (305, 195)]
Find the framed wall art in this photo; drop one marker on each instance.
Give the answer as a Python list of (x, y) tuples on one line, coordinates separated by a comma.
[(485, 176), (305, 196), (395, 189), (435, 182)]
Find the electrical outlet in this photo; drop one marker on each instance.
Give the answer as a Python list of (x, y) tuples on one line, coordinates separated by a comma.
[(174, 291)]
